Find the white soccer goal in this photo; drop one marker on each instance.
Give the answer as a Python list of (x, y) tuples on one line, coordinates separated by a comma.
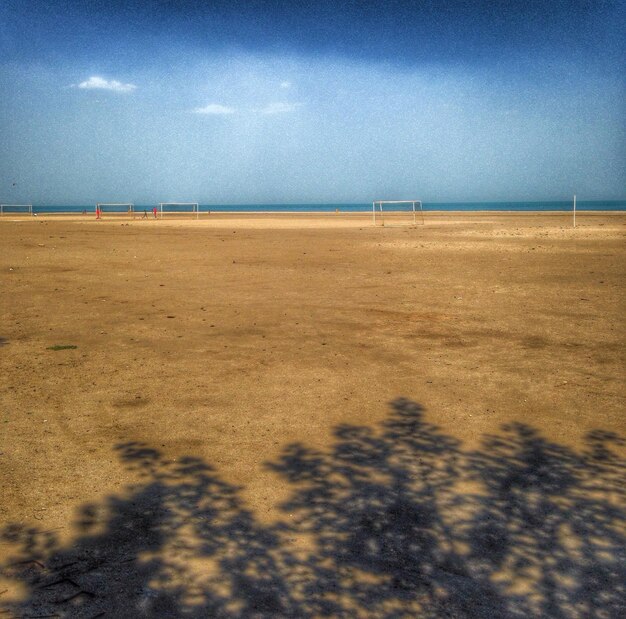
[(16, 209), (114, 208), (175, 208), (397, 212)]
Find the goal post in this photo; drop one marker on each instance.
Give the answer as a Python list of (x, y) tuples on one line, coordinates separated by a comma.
[(16, 209), (114, 208), (174, 208), (395, 212)]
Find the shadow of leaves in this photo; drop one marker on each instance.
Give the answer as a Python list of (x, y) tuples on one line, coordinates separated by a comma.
[(394, 521)]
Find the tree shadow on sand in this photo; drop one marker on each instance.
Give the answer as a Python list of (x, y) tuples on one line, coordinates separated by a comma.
[(397, 521)]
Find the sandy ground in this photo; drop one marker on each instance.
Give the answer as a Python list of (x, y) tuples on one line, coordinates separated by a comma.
[(229, 339)]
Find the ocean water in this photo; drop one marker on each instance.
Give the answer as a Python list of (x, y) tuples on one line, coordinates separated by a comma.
[(609, 205)]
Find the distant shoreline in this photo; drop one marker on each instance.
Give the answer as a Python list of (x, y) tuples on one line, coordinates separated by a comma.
[(342, 209), (138, 213)]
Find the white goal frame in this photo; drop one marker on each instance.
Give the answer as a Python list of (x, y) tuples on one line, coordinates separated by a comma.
[(195, 207), (379, 204), (130, 205), (3, 208)]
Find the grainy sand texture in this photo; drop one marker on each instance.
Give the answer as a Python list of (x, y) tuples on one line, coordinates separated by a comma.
[(305, 415)]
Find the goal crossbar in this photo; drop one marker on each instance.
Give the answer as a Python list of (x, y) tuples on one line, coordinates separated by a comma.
[(7, 208), (377, 205)]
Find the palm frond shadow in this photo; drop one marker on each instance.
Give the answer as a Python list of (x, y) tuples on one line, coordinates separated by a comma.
[(394, 521)]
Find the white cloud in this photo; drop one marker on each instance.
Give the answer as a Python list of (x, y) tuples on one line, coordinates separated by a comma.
[(95, 82), (285, 84), (214, 108), (280, 107)]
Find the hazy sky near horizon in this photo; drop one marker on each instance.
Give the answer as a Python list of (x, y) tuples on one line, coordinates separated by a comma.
[(277, 101)]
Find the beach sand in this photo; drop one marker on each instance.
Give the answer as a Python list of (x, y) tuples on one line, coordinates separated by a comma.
[(230, 338)]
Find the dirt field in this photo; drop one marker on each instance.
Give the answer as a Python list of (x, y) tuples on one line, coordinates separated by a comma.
[(222, 343)]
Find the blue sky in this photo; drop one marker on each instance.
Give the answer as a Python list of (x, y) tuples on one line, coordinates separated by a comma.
[(271, 101)]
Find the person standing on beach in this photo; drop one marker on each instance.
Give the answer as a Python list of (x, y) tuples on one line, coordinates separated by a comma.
[(154, 211)]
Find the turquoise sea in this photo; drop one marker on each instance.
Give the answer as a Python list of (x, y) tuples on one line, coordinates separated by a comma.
[(609, 205)]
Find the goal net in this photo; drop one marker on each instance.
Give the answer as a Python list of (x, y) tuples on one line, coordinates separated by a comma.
[(16, 209), (179, 208), (397, 212), (114, 208)]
